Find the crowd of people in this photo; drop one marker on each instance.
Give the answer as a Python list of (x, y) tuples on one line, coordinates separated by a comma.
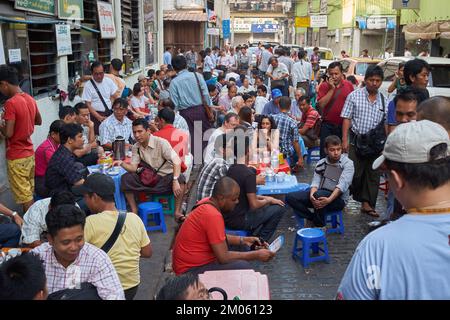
[(216, 110)]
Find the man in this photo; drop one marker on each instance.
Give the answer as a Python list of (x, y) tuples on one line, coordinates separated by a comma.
[(323, 197), (132, 242), (67, 114), (308, 122), (387, 262), (158, 154), (292, 145), (285, 58), (365, 54), (259, 215), (184, 287), (69, 261), (168, 56), (278, 74), (331, 99), (407, 52), (436, 109), (187, 98), (263, 61), (191, 59), (344, 54), (217, 167), (246, 87), (63, 170), (273, 107), (405, 111), (21, 115), (315, 62), (99, 105), (23, 278), (10, 232), (114, 74), (296, 113), (243, 62), (43, 155), (364, 110), (201, 243), (237, 103), (225, 99), (116, 125), (90, 152), (34, 227), (388, 53), (208, 64), (261, 99), (179, 122), (230, 122), (416, 75), (302, 73)]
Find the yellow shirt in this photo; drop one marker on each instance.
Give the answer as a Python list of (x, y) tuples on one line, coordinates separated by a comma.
[(125, 252)]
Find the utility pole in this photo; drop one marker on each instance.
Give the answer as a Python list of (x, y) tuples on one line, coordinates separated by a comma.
[(309, 34), (399, 45)]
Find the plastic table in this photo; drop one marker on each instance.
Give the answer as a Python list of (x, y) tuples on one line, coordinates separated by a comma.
[(289, 185), (119, 197), (245, 284)]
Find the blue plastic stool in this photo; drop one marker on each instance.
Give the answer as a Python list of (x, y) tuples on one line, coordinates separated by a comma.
[(337, 222), (152, 211), (310, 239), (310, 157), (239, 233)]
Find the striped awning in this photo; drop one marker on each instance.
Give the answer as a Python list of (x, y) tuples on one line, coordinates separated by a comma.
[(181, 15)]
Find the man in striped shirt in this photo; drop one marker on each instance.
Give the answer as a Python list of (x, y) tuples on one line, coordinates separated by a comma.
[(309, 120)]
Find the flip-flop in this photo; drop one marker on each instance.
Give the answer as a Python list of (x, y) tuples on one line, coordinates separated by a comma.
[(371, 213), (180, 219)]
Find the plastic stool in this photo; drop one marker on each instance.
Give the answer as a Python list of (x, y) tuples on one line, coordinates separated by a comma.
[(167, 201), (239, 233), (152, 211), (310, 239), (337, 222), (310, 157)]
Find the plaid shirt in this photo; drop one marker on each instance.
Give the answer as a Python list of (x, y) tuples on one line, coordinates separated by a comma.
[(365, 115), (112, 128), (288, 133), (209, 175), (92, 265)]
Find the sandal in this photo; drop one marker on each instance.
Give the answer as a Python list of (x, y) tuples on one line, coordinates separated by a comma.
[(370, 212), (180, 219)]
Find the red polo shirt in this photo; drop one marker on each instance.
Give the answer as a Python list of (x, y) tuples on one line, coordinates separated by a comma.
[(333, 115), (178, 139)]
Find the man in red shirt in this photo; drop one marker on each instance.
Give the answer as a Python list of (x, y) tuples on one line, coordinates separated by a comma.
[(22, 109), (202, 245), (308, 121), (331, 100)]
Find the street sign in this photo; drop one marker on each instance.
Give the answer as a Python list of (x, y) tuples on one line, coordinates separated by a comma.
[(302, 22), (264, 28), (226, 29), (374, 23), (213, 31), (44, 7), (319, 21), (406, 4)]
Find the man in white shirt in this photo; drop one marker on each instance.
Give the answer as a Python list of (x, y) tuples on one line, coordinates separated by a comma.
[(246, 87), (278, 74), (388, 53), (302, 73), (108, 90), (261, 99), (231, 121)]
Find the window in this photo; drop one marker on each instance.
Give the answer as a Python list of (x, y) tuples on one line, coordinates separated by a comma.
[(74, 61), (440, 76), (150, 31), (130, 34), (43, 55)]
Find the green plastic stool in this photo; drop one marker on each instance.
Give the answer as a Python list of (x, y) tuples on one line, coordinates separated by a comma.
[(167, 202)]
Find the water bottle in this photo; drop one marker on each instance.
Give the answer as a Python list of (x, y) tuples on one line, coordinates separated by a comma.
[(274, 160)]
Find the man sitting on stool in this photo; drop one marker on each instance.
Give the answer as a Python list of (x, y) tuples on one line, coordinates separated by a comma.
[(324, 195)]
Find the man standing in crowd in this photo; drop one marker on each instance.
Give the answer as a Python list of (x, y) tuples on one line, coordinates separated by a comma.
[(168, 56), (132, 242), (417, 73), (364, 110), (21, 115), (302, 73), (278, 74), (188, 91), (116, 125), (263, 62), (99, 93), (393, 262), (331, 100), (315, 61), (114, 74)]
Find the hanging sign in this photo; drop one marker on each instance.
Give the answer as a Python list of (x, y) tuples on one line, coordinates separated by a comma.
[(63, 40), (106, 20)]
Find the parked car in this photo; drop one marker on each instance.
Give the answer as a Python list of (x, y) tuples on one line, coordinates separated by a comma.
[(439, 81), (326, 56), (357, 66)]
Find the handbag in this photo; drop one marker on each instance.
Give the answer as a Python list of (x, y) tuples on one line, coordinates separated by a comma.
[(314, 132), (108, 111), (208, 111), (372, 143), (277, 83), (87, 291), (148, 176)]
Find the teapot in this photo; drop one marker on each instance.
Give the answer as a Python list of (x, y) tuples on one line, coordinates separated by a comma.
[(118, 147)]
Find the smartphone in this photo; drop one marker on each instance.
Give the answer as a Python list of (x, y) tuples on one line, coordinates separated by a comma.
[(256, 244)]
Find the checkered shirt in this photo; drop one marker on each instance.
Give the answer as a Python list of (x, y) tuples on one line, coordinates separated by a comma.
[(209, 175), (112, 128), (364, 114), (92, 265), (288, 133)]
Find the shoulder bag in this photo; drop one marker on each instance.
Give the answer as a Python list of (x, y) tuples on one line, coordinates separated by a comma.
[(330, 177), (108, 111), (148, 176), (208, 111), (87, 291)]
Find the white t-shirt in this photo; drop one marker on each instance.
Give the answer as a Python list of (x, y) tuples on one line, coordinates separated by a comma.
[(260, 102), (139, 103), (107, 89), (246, 90)]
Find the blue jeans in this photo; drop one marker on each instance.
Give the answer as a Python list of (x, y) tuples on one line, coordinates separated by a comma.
[(9, 235), (264, 221)]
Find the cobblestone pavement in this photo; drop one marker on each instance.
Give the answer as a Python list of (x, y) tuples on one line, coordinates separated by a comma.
[(288, 280)]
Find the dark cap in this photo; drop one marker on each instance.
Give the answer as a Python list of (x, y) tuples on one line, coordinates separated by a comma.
[(98, 183)]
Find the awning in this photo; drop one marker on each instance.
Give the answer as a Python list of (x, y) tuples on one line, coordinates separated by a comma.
[(180, 15), (43, 21), (427, 30)]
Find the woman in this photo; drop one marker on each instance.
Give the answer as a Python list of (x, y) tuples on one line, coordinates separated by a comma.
[(139, 102), (267, 137), (399, 80)]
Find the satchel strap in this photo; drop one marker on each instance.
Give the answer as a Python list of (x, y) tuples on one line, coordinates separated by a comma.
[(142, 159), (115, 234), (205, 104), (100, 95), (327, 108)]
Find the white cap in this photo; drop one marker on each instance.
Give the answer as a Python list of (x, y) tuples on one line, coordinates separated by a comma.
[(412, 142)]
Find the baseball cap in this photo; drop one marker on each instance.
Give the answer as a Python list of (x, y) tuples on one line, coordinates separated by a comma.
[(98, 183), (276, 93), (412, 142), (142, 77)]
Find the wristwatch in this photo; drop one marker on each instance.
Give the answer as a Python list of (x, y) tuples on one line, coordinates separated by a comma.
[(175, 178), (14, 213)]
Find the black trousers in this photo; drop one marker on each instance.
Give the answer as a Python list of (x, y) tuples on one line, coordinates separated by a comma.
[(264, 221), (301, 204), (130, 293), (328, 129)]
